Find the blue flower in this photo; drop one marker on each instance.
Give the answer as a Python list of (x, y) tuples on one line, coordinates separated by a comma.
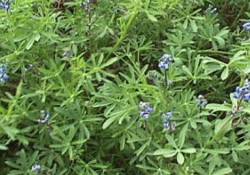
[(36, 168), (45, 116), (243, 93), (165, 62), (168, 115), (247, 97), (5, 6), (167, 121), (202, 102), (3, 74), (87, 5), (246, 26), (145, 110)]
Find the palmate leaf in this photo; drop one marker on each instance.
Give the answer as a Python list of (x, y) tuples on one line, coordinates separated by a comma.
[(118, 115)]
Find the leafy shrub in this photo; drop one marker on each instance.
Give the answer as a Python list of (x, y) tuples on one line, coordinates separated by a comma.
[(124, 87)]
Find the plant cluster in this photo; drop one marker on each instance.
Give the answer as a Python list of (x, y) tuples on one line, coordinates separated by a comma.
[(118, 87)]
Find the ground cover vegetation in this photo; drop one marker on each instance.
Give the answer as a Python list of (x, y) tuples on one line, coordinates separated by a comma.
[(124, 87)]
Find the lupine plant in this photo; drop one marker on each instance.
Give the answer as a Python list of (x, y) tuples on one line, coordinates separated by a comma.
[(124, 87)]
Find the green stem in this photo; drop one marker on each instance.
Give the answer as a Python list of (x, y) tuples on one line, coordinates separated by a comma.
[(215, 137), (123, 33), (214, 52), (166, 78)]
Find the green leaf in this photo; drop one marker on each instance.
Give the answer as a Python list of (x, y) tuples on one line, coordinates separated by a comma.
[(108, 122), (110, 62), (225, 73), (218, 107), (189, 150), (187, 71), (223, 171), (246, 110), (3, 147), (142, 148), (35, 37), (211, 66), (220, 41), (182, 135), (235, 156), (165, 152), (10, 131), (151, 17), (194, 26), (222, 127), (217, 151), (243, 146), (180, 158), (171, 140)]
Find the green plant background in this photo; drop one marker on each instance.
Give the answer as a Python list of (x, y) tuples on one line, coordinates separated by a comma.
[(90, 70)]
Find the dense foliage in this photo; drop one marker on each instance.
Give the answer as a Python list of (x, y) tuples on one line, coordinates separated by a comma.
[(124, 87)]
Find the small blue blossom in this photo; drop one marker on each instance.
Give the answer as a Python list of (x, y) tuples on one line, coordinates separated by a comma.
[(246, 26), (167, 121), (45, 116), (5, 6), (145, 110), (87, 5), (36, 168), (3, 74), (202, 102), (243, 93), (165, 62), (247, 97)]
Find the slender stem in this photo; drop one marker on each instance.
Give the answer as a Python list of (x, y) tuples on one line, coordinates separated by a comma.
[(123, 33), (237, 122), (238, 105), (150, 1), (214, 52), (166, 78), (89, 25)]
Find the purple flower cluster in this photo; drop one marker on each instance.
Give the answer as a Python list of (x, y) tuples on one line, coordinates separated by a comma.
[(243, 93), (3, 74), (5, 6), (246, 26), (165, 62), (45, 116), (145, 110), (167, 121)]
